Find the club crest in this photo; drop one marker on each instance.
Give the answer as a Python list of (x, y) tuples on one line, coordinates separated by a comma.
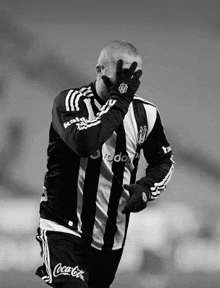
[(142, 134), (123, 88)]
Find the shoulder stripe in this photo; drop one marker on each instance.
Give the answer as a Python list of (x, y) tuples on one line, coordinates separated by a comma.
[(86, 91), (72, 100), (96, 121), (83, 89), (76, 103), (67, 100)]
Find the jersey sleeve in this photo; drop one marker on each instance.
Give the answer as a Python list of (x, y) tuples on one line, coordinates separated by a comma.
[(71, 119), (158, 154)]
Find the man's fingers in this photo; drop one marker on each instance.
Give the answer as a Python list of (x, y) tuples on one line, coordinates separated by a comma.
[(107, 81), (124, 211), (129, 72), (126, 186), (138, 198), (119, 68), (137, 74), (132, 68)]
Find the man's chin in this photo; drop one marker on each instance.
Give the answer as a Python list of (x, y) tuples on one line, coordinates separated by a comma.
[(104, 95)]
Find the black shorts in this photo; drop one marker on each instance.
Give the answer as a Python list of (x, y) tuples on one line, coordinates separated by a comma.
[(67, 259)]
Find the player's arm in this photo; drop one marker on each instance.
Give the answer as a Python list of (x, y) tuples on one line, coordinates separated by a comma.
[(158, 153), (71, 121), (71, 115)]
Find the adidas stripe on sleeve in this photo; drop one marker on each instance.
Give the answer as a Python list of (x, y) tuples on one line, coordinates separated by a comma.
[(158, 153), (79, 128)]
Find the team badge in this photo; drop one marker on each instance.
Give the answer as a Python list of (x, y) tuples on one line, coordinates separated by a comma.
[(142, 134), (123, 88)]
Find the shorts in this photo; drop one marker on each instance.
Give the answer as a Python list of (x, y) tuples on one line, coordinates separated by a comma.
[(67, 259)]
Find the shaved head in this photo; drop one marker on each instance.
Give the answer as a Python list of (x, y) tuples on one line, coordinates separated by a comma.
[(115, 49), (108, 58)]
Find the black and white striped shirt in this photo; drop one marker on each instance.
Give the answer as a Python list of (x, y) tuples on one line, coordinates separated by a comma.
[(94, 149)]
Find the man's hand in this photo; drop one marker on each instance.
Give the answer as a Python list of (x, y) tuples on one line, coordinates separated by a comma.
[(138, 198), (126, 83)]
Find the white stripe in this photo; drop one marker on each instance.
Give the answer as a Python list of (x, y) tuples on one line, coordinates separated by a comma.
[(77, 102), (103, 195), (165, 180), (46, 279), (99, 106), (72, 100), (46, 255), (87, 93), (82, 126), (110, 103), (83, 89), (131, 132), (48, 258), (89, 108), (106, 107), (81, 179), (151, 113), (67, 100), (158, 187), (96, 121), (53, 226)]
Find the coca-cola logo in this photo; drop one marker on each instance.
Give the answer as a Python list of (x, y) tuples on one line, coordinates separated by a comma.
[(59, 270)]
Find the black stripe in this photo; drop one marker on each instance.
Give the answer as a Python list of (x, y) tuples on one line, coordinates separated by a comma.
[(140, 113), (127, 216), (89, 196), (116, 189), (141, 121), (72, 193), (135, 163)]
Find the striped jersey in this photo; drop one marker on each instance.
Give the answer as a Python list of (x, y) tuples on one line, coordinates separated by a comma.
[(94, 149)]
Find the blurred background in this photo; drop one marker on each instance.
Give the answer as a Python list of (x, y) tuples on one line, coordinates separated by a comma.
[(51, 45)]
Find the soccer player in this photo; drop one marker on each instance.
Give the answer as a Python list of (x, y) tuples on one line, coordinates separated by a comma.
[(96, 136)]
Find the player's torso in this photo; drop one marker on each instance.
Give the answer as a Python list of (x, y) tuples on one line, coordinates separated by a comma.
[(111, 167), (97, 181)]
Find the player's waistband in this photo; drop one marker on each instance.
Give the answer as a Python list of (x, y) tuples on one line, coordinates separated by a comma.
[(49, 225)]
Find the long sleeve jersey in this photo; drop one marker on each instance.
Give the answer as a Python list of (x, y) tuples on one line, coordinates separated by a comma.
[(94, 149)]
